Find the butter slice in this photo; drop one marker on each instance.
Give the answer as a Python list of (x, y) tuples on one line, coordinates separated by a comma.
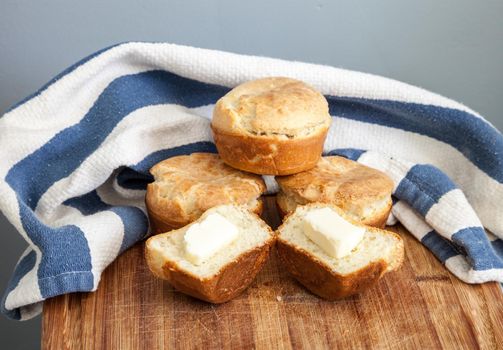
[(206, 238), (332, 233)]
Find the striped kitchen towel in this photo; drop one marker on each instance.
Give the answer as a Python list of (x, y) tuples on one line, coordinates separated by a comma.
[(74, 159)]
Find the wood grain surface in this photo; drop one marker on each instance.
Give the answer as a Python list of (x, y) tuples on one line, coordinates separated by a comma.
[(420, 306)]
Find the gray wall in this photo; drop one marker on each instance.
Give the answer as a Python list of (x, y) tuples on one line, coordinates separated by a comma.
[(451, 47)]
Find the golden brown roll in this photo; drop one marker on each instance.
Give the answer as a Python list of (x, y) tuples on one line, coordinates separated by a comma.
[(271, 126), (228, 273), (185, 187), (363, 193), (379, 252)]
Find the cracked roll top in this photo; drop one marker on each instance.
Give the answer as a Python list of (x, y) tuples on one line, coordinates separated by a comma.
[(363, 193), (271, 126), (185, 187)]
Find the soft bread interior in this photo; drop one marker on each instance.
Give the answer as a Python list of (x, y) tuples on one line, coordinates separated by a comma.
[(253, 232), (376, 245)]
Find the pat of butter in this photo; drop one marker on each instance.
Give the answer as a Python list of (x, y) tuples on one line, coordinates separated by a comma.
[(336, 236), (206, 238)]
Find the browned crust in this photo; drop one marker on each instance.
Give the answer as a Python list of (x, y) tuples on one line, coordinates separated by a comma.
[(319, 278), (188, 185), (281, 212), (269, 155), (231, 280), (161, 224), (269, 106), (336, 178), (379, 219), (347, 184)]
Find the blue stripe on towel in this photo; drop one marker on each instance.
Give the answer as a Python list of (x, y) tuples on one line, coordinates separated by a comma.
[(73, 281), (350, 153), (476, 244), (134, 220), (88, 204), (66, 243), (498, 247), (136, 177), (423, 186), (123, 96), (439, 246), (135, 225), (25, 265), (459, 129), (133, 180)]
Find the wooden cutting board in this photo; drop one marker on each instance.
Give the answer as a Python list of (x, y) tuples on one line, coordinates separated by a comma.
[(420, 306)]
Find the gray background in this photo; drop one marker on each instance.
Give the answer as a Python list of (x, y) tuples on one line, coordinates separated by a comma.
[(454, 48)]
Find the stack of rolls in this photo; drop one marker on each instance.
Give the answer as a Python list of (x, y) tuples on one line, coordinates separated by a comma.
[(271, 126)]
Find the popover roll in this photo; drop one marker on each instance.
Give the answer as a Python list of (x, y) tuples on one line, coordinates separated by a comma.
[(186, 186), (363, 193), (271, 126)]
